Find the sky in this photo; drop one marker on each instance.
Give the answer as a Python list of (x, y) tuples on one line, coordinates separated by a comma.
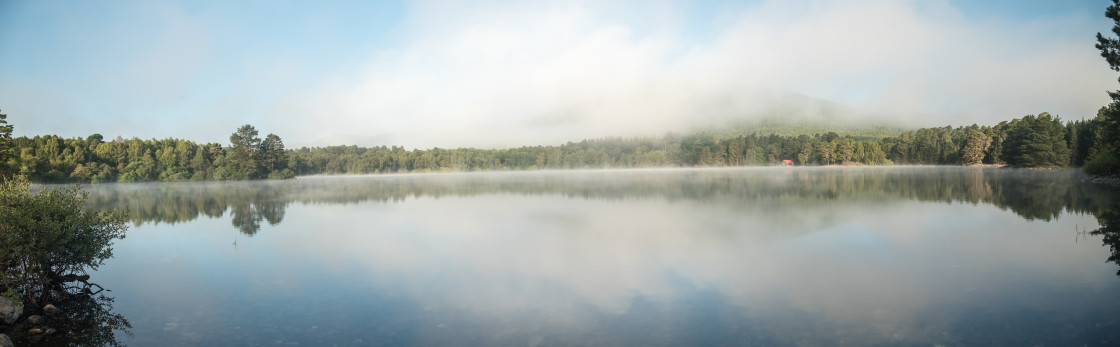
[(494, 74)]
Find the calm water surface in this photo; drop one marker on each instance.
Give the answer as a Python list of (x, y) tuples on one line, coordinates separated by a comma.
[(767, 256)]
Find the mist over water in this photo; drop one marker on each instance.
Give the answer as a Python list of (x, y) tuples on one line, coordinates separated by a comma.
[(770, 256)]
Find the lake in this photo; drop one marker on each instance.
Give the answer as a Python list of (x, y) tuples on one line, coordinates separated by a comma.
[(683, 257)]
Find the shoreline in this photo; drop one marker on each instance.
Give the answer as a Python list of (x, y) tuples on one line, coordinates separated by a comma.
[(1112, 179), (1115, 179)]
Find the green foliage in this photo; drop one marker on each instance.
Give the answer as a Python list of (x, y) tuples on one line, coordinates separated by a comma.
[(11, 293), (1107, 123), (271, 155), (282, 175), (244, 154), (1104, 164), (5, 146), (245, 141), (1037, 142), (700, 149), (788, 128), (55, 159), (1030, 141), (1110, 46), (1083, 141), (947, 146), (49, 234), (975, 145)]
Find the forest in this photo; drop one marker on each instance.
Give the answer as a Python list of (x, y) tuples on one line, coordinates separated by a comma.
[(1030, 141)]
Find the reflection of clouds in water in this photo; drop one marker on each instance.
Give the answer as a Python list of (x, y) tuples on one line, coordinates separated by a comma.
[(496, 249), (910, 269), (872, 252), (879, 268)]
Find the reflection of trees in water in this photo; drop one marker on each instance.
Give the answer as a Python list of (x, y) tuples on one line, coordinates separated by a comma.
[(1110, 233), (1112, 241), (247, 216), (263, 205), (82, 320), (1031, 194), (249, 203)]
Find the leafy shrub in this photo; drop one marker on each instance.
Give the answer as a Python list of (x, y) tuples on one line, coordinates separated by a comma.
[(1104, 163), (50, 234), (284, 174)]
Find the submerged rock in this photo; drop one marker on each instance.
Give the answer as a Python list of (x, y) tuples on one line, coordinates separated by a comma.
[(10, 309), (35, 331), (50, 309), (5, 341), (35, 320)]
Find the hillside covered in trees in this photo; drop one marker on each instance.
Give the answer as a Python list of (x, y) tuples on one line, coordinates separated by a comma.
[(1030, 141)]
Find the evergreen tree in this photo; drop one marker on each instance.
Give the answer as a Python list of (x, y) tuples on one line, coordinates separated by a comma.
[(243, 153), (1036, 142), (5, 146), (272, 153), (1110, 46), (1108, 120)]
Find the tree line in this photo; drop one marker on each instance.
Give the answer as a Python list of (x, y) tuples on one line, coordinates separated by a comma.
[(52, 158), (1029, 141)]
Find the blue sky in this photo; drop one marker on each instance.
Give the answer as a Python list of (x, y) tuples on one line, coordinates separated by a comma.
[(497, 74)]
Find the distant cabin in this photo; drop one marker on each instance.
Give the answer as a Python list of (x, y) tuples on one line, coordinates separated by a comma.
[(787, 162)]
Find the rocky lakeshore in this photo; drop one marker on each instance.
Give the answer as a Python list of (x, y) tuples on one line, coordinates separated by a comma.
[(1106, 179)]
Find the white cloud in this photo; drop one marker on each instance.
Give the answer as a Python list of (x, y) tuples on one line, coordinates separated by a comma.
[(497, 74)]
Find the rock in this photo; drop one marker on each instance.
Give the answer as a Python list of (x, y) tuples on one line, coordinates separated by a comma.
[(35, 320), (35, 331), (1107, 179), (50, 309), (49, 331), (10, 309), (5, 341)]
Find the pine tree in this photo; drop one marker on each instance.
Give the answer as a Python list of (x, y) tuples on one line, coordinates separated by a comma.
[(5, 146)]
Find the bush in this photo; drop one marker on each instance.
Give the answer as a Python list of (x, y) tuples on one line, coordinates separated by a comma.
[(282, 175), (48, 235), (1105, 163)]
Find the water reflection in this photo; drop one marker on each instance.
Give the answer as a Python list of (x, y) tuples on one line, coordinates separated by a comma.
[(1110, 233), (1031, 194), (83, 319), (807, 256)]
